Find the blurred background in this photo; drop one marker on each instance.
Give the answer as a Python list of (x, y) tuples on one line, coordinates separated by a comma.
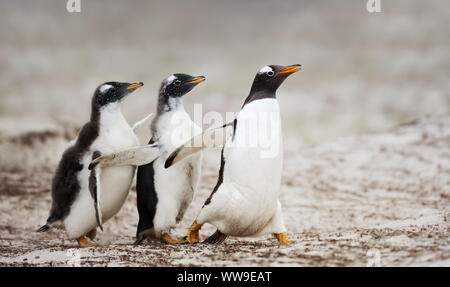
[(362, 72)]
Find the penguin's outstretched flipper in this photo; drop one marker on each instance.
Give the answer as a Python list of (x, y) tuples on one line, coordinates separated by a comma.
[(139, 155), (215, 137), (142, 130), (216, 238)]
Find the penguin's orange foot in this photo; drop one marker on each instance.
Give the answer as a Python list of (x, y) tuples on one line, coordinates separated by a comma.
[(283, 238), (83, 242), (192, 235), (169, 240)]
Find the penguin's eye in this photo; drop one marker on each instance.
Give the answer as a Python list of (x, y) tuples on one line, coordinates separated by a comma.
[(177, 83), (270, 73)]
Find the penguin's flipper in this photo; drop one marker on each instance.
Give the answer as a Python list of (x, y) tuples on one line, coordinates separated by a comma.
[(139, 155), (215, 137), (94, 188), (142, 130), (216, 238)]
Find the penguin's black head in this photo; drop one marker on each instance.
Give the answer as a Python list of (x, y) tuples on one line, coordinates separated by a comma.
[(177, 85), (269, 78), (113, 92)]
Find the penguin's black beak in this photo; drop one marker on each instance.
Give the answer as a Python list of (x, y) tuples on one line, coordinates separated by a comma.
[(290, 69), (197, 80), (135, 86)]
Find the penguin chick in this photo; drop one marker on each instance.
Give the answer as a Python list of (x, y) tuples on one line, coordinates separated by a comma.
[(163, 195), (77, 202)]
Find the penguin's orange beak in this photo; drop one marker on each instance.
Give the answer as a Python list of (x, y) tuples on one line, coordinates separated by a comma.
[(135, 86), (197, 80), (290, 69)]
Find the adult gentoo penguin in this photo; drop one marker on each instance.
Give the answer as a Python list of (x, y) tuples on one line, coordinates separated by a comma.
[(163, 195), (245, 200), (77, 203)]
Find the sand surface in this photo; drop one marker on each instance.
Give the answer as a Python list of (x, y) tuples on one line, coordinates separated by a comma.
[(380, 199)]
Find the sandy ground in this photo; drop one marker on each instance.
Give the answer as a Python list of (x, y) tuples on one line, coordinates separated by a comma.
[(379, 199)]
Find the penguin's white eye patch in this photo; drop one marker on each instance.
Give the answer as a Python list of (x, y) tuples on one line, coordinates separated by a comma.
[(105, 87), (170, 79), (265, 69), (177, 82)]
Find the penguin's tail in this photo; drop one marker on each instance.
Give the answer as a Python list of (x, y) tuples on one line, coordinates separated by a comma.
[(51, 221), (43, 228), (216, 238)]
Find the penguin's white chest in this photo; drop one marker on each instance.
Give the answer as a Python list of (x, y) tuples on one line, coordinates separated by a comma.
[(252, 173), (174, 129), (176, 185), (253, 159), (115, 181), (114, 135)]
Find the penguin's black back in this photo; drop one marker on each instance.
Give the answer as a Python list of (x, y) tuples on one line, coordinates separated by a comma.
[(65, 185), (146, 196)]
